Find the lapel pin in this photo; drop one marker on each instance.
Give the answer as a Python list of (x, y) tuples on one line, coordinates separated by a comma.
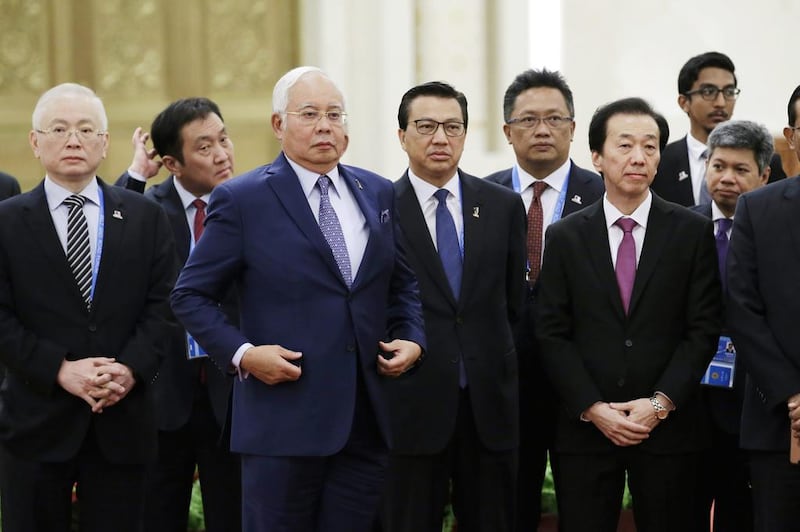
[(384, 216), (476, 212), (358, 184), (577, 199), (116, 214), (682, 175)]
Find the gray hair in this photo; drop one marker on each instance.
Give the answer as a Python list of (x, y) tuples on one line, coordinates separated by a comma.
[(743, 134), (68, 90), (280, 94)]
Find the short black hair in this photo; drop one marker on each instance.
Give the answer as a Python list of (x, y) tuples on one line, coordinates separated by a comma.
[(166, 127), (438, 89), (691, 70), (791, 107), (532, 79), (629, 106)]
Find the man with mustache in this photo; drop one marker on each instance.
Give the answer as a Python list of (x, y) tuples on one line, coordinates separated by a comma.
[(707, 93)]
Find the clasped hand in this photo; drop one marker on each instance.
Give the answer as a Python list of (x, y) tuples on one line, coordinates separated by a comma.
[(100, 381), (625, 424)]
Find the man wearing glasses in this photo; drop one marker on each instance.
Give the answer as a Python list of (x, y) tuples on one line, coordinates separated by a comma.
[(707, 93), (455, 417), (538, 111)]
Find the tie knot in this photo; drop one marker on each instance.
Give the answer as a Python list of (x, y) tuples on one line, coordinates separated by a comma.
[(324, 182), (538, 188), (626, 224), (199, 204), (75, 200), (441, 195), (724, 225)]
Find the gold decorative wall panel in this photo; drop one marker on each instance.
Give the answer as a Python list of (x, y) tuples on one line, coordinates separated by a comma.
[(138, 57)]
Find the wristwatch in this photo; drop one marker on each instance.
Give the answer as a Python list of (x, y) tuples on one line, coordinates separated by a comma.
[(660, 410)]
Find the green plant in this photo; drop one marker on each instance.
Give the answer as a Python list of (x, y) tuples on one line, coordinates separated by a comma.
[(196, 521)]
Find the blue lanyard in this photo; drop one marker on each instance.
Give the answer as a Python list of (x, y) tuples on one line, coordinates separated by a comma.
[(101, 224), (562, 196)]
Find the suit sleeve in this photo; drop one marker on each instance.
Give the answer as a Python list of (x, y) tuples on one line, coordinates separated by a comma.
[(775, 375), (206, 277), (517, 259)]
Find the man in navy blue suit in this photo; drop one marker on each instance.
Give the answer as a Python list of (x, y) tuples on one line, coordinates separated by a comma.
[(328, 308)]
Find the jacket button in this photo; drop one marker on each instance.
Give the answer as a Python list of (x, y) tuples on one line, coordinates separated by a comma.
[(351, 348), (92, 327), (628, 343), (621, 382)]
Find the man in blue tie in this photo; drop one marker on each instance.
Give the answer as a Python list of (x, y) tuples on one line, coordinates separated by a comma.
[(739, 152), (456, 416), (328, 310)]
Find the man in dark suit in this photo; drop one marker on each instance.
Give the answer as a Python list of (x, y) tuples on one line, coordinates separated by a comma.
[(86, 270), (192, 393), (707, 93), (312, 246), (9, 186), (627, 320), (738, 162), (539, 114), (763, 306), (470, 370)]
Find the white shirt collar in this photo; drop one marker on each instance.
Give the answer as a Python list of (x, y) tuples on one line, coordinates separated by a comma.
[(555, 180), (639, 215), (425, 190), (716, 213), (308, 179), (187, 198), (56, 194), (695, 147)]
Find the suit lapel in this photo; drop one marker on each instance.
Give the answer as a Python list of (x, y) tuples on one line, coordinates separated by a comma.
[(595, 239), (683, 178), (418, 237), (115, 220), (286, 186), (473, 232), (574, 200), (792, 203), (368, 203), (656, 235), (167, 196)]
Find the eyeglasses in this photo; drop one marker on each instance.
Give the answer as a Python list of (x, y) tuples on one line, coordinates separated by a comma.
[(85, 133), (426, 126), (530, 122), (311, 116), (710, 92)]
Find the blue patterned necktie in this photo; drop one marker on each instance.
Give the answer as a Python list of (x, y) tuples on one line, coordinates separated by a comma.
[(79, 255), (332, 230), (723, 226), (447, 243)]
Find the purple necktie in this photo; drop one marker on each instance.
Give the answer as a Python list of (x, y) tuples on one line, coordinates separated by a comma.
[(332, 230), (626, 261), (723, 226)]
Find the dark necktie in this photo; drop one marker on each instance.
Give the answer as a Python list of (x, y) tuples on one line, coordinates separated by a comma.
[(447, 243), (332, 230), (535, 228), (626, 261), (199, 218), (723, 226), (79, 255)]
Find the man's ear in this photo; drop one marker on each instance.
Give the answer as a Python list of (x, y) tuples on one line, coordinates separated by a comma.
[(172, 164), (683, 103)]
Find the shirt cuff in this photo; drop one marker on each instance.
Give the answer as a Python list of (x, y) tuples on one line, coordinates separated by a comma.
[(136, 175), (237, 358)]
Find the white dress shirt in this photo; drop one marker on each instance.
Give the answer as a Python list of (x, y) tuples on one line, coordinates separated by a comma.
[(187, 200), (428, 203), (697, 165), (59, 211), (615, 233)]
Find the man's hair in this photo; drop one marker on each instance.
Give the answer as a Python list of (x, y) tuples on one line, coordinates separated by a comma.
[(533, 79), (791, 107), (438, 89), (280, 94), (691, 70), (627, 106), (166, 127), (743, 134), (70, 90)]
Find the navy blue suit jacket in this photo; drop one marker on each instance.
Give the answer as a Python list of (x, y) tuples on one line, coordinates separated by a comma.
[(261, 234), (763, 306), (673, 182)]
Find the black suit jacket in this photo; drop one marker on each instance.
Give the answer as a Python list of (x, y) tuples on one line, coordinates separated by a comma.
[(594, 352), (43, 320), (179, 377), (9, 186), (423, 403), (671, 186), (725, 404), (763, 306)]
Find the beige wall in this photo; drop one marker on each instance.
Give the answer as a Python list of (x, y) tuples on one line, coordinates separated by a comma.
[(139, 56)]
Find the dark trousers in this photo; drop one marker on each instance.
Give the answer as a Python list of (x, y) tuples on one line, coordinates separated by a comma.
[(776, 492), (727, 479), (169, 481), (666, 490), (338, 493), (483, 484), (37, 496)]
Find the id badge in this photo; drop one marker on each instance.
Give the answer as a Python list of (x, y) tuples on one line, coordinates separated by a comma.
[(721, 370), (193, 348)]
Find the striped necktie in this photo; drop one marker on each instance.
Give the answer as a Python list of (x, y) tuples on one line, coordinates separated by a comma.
[(79, 255)]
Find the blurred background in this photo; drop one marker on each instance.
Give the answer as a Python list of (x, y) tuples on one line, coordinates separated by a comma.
[(140, 55)]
